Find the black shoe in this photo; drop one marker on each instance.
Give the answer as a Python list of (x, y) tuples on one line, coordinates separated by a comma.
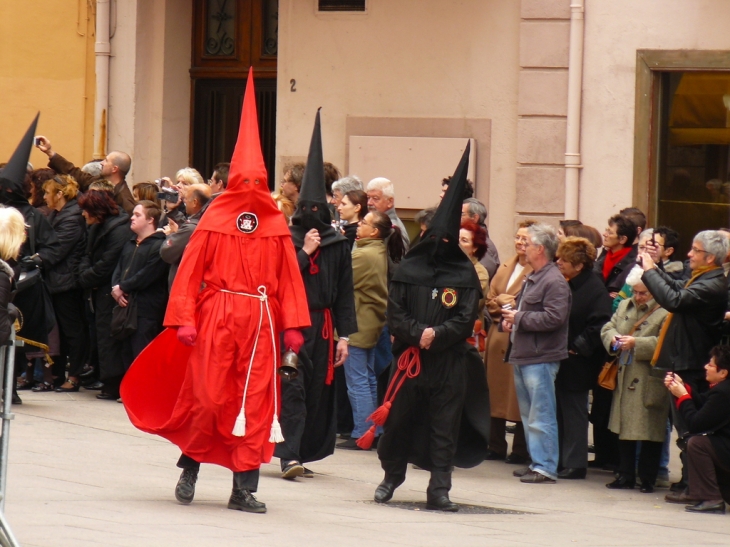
[(572, 473), (492, 455), (442, 503), (74, 387), (243, 500), (93, 385), (103, 396), (350, 444), (680, 486), (384, 491), (712, 506), (185, 489), (88, 372), (646, 488), (292, 470), (16, 400), (622, 484), (517, 459)]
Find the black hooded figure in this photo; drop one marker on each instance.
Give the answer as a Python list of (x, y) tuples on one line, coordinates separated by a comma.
[(308, 418), (39, 251), (432, 305)]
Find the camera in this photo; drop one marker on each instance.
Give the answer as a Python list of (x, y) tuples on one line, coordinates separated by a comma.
[(616, 344), (168, 195), (38, 141), (508, 307)]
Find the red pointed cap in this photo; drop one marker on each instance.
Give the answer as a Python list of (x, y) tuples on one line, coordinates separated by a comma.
[(246, 207)]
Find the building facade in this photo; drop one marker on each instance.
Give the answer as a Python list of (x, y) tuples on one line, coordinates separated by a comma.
[(575, 108)]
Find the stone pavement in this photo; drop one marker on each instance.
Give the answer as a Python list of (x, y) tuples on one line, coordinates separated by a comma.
[(81, 475)]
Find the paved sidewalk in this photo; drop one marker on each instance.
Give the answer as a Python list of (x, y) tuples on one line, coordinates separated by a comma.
[(81, 475)]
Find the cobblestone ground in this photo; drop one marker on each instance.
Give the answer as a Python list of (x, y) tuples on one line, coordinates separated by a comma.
[(81, 475)]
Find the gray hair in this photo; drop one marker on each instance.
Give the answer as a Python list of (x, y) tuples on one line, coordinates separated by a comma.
[(646, 234), (476, 207), (347, 184), (92, 168), (714, 243), (382, 184), (545, 235)]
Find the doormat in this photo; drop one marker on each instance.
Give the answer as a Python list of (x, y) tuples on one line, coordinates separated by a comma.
[(464, 509)]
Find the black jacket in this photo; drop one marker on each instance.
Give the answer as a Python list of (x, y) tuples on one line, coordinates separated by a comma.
[(696, 325), (103, 247), (617, 278), (70, 228), (709, 412), (589, 311), (142, 272)]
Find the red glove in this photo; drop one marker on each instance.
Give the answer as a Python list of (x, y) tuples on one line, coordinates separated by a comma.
[(187, 335), (293, 339)]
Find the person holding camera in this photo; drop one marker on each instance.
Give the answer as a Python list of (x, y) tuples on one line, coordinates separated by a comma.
[(707, 416), (114, 168), (196, 197), (637, 412), (697, 308)]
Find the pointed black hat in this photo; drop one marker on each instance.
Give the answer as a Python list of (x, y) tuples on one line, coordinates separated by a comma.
[(438, 261), (13, 174), (312, 208)]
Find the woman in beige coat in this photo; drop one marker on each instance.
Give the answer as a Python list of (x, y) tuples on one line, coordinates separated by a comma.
[(503, 291), (640, 403)]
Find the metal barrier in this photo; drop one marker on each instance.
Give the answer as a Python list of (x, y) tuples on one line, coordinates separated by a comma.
[(7, 366)]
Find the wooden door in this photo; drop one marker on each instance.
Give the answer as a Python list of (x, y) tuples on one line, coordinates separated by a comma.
[(229, 36)]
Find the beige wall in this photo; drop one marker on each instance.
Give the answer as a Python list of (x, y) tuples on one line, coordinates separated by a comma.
[(149, 110), (615, 29), (459, 60), (47, 65)]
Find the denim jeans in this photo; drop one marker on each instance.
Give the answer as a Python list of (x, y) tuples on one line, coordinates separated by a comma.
[(362, 387), (535, 386)]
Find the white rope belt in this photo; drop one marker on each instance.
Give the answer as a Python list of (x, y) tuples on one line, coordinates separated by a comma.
[(239, 429)]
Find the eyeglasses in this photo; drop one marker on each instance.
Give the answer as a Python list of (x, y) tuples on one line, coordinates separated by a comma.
[(695, 250), (521, 240), (642, 293)]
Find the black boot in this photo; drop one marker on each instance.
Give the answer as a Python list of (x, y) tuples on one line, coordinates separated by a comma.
[(437, 494), (185, 489), (384, 491), (242, 498)]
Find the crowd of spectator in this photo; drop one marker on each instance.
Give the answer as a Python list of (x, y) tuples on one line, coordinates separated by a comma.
[(93, 274)]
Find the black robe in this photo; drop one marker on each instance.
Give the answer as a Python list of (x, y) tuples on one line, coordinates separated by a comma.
[(308, 417), (425, 419)]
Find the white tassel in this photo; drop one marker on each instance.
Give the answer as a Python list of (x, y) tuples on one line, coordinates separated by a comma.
[(276, 436), (239, 430)]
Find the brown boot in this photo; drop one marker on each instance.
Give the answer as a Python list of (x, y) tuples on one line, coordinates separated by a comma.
[(680, 497)]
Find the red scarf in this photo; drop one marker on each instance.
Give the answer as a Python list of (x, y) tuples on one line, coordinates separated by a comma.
[(612, 259)]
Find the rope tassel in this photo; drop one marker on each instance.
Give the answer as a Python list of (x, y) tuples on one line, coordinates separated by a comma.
[(409, 366), (276, 435), (239, 430)]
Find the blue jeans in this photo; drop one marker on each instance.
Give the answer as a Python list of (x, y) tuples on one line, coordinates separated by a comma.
[(535, 385), (362, 387)]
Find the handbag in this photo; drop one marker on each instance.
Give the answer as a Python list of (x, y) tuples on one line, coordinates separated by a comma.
[(28, 278), (607, 376), (124, 319)]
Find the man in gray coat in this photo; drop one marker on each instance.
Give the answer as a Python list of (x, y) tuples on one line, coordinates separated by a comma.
[(538, 342), (196, 197)]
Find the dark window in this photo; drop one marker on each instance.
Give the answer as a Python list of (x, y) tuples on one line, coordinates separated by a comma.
[(341, 5)]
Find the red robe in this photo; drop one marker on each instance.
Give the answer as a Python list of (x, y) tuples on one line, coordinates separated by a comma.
[(192, 395)]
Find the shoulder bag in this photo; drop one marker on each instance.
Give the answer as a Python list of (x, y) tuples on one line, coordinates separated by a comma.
[(607, 376)]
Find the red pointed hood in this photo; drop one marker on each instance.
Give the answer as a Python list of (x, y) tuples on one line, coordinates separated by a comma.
[(246, 207)]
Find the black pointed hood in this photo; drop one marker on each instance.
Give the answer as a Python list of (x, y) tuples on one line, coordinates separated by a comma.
[(438, 261), (13, 174), (312, 208)]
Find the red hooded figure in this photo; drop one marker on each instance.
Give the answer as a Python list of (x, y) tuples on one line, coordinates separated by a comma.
[(208, 383)]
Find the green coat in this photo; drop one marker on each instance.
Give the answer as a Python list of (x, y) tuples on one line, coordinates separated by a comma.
[(630, 419), (370, 277)]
